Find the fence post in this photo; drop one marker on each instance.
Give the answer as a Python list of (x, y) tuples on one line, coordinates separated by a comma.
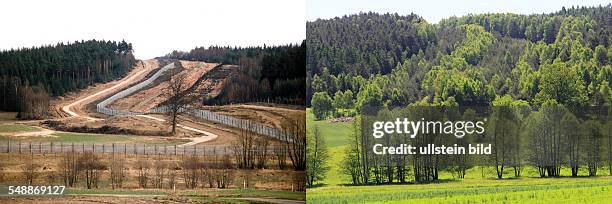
[(8, 146)]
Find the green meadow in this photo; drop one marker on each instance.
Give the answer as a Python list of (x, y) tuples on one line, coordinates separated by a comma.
[(16, 128), (336, 137), (523, 190)]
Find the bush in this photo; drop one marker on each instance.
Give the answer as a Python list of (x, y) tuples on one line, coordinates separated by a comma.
[(321, 105)]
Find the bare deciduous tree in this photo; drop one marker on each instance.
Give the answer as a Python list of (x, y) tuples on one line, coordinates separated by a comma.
[(280, 152), (172, 173), (209, 178), (190, 166), (117, 172), (142, 167), (34, 102), (178, 97), (294, 130), (92, 166), (29, 170), (160, 171), (299, 181), (224, 174), (244, 148), (68, 169), (261, 153)]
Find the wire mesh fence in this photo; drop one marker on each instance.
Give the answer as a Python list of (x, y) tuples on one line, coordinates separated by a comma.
[(102, 106), (230, 121), (203, 114), (131, 148)]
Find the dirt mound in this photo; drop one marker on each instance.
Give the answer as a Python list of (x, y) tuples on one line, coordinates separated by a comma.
[(272, 116), (79, 99), (211, 83), (148, 98), (113, 125), (341, 120)]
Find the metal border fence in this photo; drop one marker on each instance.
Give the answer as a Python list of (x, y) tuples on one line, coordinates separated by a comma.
[(101, 107), (230, 121), (126, 148), (203, 114)]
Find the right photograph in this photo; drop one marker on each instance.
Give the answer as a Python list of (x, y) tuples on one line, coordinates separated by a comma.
[(458, 102)]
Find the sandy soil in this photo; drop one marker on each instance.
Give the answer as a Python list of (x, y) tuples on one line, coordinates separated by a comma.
[(144, 100), (212, 85), (204, 135), (41, 132), (74, 103), (267, 114), (75, 108)]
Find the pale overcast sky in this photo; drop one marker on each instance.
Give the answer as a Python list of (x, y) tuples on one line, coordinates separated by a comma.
[(435, 10), (153, 27)]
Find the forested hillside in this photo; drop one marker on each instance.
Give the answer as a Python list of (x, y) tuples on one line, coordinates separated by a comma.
[(273, 73), (53, 70), (394, 60)]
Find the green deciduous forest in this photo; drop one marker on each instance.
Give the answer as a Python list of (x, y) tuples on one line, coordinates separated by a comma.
[(53, 70), (468, 61), (533, 76), (275, 72)]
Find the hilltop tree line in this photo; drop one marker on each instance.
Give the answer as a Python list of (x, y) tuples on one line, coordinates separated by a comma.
[(29, 76), (468, 61), (268, 73)]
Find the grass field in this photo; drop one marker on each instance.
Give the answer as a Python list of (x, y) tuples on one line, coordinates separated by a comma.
[(475, 188), (95, 138), (336, 134), (8, 126), (15, 128), (525, 190), (336, 137), (7, 116)]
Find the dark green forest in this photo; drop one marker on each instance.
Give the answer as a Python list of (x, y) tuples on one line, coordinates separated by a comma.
[(273, 73), (395, 61), (53, 70)]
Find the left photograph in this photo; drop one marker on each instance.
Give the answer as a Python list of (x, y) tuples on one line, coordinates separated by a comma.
[(152, 102)]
